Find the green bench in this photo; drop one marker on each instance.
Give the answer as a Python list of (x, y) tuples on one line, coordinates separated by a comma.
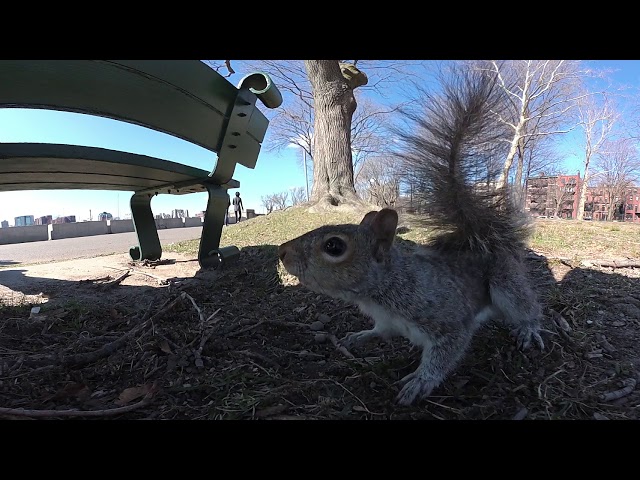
[(183, 98)]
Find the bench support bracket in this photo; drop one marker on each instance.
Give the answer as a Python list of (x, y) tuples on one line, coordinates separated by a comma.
[(145, 226)]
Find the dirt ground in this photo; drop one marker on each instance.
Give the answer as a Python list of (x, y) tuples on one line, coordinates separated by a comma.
[(171, 342)]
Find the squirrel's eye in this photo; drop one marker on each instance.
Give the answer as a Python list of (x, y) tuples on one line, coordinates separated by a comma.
[(335, 246)]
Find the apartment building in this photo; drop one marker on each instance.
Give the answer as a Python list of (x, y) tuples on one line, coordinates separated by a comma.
[(553, 195), (23, 221), (626, 206)]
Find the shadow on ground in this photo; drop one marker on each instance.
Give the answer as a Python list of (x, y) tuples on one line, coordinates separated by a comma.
[(247, 342)]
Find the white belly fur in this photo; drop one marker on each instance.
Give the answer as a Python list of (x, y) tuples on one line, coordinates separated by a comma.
[(391, 324)]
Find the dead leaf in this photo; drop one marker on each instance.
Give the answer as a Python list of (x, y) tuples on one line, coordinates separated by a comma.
[(133, 393), (164, 346)]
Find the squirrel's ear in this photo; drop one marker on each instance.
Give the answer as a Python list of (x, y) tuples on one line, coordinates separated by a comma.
[(384, 226), (368, 218)]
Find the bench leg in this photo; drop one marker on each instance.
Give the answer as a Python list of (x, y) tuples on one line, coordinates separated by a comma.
[(210, 254), (148, 242)]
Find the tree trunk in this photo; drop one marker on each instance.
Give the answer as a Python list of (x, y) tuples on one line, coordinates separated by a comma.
[(334, 104), (503, 180), (583, 190)]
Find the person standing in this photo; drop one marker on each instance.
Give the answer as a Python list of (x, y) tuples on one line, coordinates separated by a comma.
[(226, 214), (237, 206)]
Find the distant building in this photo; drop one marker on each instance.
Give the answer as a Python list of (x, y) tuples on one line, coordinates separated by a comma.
[(67, 219), (23, 221), (626, 206), (105, 216), (4, 224), (553, 195), (179, 213), (46, 220)]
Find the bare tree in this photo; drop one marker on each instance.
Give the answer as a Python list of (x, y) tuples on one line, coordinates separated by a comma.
[(280, 200), (268, 203), (597, 120), (616, 169), (298, 195), (379, 181), (541, 94)]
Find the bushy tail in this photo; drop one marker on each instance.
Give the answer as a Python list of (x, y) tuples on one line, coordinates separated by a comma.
[(452, 159)]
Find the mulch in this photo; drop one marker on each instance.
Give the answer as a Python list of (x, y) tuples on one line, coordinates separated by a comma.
[(239, 343)]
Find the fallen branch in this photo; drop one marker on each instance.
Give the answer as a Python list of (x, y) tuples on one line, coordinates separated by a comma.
[(79, 413), (612, 263), (629, 386)]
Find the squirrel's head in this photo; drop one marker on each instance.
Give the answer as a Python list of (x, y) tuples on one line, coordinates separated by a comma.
[(337, 259)]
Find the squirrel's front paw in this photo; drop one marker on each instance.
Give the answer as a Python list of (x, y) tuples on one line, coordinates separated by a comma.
[(416, 388), (526, 335), (356, 338)]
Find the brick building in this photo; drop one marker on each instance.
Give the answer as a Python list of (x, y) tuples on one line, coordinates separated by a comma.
[(627, 206), (67, 219), (553, 195), (46, 220)]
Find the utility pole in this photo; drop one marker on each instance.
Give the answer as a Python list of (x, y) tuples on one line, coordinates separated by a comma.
[(306, 180)]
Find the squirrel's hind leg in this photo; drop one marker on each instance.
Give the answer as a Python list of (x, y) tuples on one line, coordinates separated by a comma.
[(439, 358)]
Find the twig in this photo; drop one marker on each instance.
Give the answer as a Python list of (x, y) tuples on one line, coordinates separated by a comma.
[(629, 386), (341, 348), (79, 413), (602, 340), (109, 348), (105, 350), (195, 305), (213, 315), (115, 281), (161, 281)]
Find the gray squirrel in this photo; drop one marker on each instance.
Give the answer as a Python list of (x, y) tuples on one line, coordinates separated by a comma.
[(473, 270)]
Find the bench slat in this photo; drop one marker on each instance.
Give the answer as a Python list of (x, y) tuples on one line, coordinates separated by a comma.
[(184, 98), (42, 166)]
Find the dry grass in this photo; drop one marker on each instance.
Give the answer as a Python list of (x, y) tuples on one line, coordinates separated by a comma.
[(581, 240)]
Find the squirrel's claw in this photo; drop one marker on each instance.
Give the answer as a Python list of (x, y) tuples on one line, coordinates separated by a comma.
[(416, 388)]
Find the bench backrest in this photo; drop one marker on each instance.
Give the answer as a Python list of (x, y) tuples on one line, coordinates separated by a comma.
[(183, 98)]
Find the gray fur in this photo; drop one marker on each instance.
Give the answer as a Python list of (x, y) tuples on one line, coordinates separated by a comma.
[(439, 295)]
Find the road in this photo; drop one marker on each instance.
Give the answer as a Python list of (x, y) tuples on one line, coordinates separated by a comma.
[(83, 247)]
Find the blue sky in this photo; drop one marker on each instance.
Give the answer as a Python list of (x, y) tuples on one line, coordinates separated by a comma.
[(275, 171)]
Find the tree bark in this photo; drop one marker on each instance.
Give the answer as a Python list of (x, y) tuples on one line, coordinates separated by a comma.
[(583, 190), (334, 104)]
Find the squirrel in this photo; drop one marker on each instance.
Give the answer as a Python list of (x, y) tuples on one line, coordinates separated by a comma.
[(472, 270)]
